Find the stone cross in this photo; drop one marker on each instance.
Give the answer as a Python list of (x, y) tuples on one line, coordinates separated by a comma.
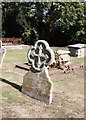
[(41, 55), (36, 82)]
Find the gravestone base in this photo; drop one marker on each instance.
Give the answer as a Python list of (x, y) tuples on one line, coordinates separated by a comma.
[(38, 85)]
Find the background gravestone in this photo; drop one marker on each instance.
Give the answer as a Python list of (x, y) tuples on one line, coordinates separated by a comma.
[(0, 44), (2, 53), (36, 82)]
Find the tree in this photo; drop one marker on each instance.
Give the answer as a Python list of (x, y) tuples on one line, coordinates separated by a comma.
[(9, 24), (58, 23)]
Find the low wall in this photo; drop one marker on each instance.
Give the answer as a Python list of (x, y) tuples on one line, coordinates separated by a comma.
[(10, 41)]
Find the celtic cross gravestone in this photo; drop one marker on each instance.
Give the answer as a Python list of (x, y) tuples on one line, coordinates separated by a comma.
[(36, 82)]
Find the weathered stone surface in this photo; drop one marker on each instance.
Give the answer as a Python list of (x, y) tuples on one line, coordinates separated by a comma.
[(41, 55), (36, 82), (0, 44), (38, 85), (64, 54), (2, 53)]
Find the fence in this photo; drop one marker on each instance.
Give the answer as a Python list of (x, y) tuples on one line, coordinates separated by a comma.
[(10, 41)]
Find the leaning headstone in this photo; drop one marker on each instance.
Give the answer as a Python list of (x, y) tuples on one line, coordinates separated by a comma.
[(37, 83)]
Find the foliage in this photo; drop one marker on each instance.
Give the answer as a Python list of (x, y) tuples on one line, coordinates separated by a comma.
[(58, 23)]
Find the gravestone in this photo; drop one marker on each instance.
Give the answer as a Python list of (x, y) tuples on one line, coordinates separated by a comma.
[(36, 82), (2, 53), (64, 54), (77, 50), (0, 44)]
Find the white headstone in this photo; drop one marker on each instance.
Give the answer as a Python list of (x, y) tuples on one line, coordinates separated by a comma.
[(36, 82)]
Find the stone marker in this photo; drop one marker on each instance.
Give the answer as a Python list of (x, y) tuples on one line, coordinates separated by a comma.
[(2, 53), (64, 54), (36, 82), (0, 44)]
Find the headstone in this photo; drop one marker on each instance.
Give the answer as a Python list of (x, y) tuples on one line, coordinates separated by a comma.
[(0, 44), (77, 50), (2, 53), (36, 82), (64, 54)]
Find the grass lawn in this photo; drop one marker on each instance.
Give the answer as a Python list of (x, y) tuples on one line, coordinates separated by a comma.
[(68, 91)]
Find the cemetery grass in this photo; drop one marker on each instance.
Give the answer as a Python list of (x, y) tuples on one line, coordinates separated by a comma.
[(68, 90)]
